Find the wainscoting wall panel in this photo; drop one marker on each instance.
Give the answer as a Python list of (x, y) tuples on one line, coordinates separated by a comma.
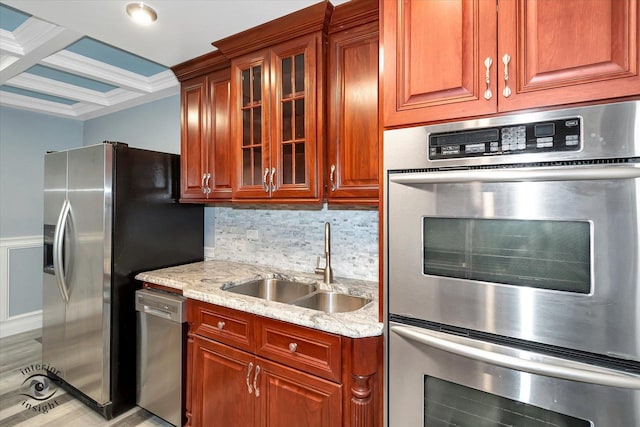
[(20, 284)]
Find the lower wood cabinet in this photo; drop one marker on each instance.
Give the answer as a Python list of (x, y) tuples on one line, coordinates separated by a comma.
[(254, 371)]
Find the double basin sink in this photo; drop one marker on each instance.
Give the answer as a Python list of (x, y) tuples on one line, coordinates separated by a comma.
[(299, 294)]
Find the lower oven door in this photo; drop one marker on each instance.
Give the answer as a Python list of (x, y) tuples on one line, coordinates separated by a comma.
[(438, 379)]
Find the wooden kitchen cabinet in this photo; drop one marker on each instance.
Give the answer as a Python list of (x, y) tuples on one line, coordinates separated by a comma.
[(247, 370), (219, 391), (449, 59), (353, 147), (292, 398), (277, 107), (205, 129)]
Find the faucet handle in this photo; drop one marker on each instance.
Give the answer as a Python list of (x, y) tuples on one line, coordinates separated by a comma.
[(318, 269)]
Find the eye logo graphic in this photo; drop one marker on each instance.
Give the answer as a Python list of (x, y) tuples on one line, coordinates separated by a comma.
[(40, 387)]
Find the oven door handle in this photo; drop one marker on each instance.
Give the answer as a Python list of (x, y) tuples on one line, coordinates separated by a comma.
[(520, 360), (565, 173)]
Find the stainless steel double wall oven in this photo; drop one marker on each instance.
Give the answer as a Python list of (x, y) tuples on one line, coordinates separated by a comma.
[(512, 270)]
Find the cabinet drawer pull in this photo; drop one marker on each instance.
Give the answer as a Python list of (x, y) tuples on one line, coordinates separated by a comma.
[(487, 93), (221, 325), (331, 177), (293, 347), (206, 183), (250, 368), (255, 381), (264, 180), (204, 190), (273, 186), (506, 92)]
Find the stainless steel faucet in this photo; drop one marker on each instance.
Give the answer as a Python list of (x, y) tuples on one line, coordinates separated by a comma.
[(327, 272)]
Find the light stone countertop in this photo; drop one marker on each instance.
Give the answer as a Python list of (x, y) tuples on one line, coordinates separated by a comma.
[(203, 281)]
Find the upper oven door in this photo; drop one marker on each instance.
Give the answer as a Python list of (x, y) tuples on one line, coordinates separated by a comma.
[(545, 254)]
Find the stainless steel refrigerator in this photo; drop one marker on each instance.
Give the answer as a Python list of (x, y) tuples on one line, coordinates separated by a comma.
[(110, 211)]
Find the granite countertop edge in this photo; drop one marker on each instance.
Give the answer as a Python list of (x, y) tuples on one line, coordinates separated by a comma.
[(203, 281)]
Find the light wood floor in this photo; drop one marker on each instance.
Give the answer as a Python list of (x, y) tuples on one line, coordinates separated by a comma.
[(23, 350)]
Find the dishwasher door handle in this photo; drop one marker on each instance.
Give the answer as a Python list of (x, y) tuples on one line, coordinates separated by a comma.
[(156, 312)]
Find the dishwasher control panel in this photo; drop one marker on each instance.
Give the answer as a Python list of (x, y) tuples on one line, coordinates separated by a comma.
[(162, 304)]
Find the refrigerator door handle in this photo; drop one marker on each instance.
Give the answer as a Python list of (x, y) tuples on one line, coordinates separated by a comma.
[(58, 239)]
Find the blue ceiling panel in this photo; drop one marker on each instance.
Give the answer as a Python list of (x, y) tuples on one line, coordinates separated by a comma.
[(38, 95), (93, 49), (10, 18), (72, 79)]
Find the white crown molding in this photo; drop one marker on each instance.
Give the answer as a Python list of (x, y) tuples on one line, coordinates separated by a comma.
[(8, 43), (96, 70), (131, 103), (163, 80), (82, 110), (34, 33), (38, 105), (7, 60), (30, 53), (39, 42), (58, 88)]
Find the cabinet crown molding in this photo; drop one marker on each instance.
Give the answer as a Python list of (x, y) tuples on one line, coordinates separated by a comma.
[(201, 65), (352, 14), (296, 24)]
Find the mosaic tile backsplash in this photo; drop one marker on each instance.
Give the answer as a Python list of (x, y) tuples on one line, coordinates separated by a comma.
[(292, 238)]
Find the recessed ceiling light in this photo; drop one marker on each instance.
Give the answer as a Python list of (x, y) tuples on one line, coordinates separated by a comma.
[(141, 14)]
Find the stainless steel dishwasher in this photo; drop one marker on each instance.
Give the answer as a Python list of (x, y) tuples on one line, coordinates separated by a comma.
[(161, 354)]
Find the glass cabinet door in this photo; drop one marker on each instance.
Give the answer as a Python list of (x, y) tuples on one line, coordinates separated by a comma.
[(250, 107), (277, 122), (293, 141), (292, 110), (252, 126)]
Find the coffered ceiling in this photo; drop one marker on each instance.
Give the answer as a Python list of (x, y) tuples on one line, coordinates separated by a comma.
[(84, 59)]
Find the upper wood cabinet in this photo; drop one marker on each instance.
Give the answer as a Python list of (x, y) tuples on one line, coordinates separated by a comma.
[(277, 107), (448, 59), (205, 128), (352, 167)]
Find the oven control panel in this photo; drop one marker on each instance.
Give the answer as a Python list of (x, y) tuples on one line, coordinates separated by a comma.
[(555, 135)]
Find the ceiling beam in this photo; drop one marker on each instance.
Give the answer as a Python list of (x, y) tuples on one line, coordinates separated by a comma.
[(31, 43)]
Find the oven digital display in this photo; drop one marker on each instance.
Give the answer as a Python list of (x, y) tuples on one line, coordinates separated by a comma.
[(466, 137), (544, 129), (550, 136)]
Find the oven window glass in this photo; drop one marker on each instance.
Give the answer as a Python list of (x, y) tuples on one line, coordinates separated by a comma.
[(534, 253), (448, 404)]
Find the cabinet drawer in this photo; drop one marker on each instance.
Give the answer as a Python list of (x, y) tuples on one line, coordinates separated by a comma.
[(232, 327), (309, 350)]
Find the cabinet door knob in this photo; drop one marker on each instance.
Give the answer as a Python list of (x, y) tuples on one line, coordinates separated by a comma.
[(506, 92), (293, 347), (206, 183), (264, 180), (487, 93), (221, 325), (204, 190), (331, 177), (255, 381), (273, 186)]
